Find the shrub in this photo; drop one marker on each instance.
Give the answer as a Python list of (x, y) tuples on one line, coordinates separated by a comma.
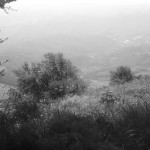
[(54, 77), (122, 75), (109, 97)]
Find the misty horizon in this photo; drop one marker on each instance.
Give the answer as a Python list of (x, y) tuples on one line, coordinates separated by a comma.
[(93, 34)]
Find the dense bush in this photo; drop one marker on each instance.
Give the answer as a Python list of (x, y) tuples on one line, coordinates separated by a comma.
[(53, 78), (122, 75)]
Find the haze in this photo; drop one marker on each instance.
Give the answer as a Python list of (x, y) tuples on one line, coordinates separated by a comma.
[(87, 31), (64, 16), (68, 7)]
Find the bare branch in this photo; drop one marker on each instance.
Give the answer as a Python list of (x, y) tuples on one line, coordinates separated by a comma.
[(2, 40), (4, 2)]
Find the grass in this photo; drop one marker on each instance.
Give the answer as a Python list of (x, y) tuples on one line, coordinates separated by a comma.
[(107, 118), (127, 109)]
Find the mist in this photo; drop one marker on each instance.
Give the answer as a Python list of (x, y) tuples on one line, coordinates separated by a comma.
[(75, 74), (92, 31)]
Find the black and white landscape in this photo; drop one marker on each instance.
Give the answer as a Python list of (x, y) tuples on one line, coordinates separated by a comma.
[(105, 104)]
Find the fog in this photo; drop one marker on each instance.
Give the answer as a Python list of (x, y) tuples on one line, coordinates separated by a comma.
[(80, 7), (66, 16), (37, 12), (75, 75), (40, 21), (90, 32)]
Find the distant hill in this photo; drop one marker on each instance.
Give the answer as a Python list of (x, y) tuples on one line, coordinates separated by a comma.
[(134, 56), (94, 44), (94, 65), (80, 50)]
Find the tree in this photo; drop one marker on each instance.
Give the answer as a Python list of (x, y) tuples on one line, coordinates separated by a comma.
[(53, 78), (4, 2), (122, 75), (2, 6)]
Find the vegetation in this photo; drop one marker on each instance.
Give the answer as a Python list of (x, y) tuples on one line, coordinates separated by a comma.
[(122, 75), (53, 109), (4, 2), (96, 119), (53, 78)]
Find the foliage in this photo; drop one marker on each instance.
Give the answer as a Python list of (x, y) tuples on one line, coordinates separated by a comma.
[(79, 122), (53, 78), (4, 2), (109, 97), (122, 75), (1, 73)]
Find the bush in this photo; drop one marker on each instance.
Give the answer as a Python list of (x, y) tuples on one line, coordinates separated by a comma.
[(53, 78), (122, 75)]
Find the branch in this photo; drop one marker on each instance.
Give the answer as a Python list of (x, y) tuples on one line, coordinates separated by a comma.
[(2, 70), (3, 62), (4, 2), (2, 40), (1, 73)]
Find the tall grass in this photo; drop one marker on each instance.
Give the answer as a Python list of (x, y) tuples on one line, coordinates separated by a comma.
[(108, 118)]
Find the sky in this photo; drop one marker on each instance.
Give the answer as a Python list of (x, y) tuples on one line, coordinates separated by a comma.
[(43, 18), (47, 15), (79, 7)]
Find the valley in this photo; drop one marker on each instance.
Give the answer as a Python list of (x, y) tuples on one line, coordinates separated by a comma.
[(94, 65), (96, 47)]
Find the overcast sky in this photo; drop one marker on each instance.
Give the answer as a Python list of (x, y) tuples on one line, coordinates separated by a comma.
[(64, 12), (66, 7), (44, 18)]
